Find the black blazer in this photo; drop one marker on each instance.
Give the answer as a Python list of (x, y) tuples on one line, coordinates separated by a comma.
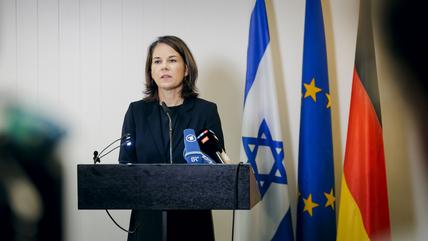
[(142, 122)]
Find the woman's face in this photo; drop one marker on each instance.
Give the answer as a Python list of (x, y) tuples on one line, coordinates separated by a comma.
[(168, 68)]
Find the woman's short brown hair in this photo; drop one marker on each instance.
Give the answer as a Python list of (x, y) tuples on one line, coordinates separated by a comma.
[(189, 82)]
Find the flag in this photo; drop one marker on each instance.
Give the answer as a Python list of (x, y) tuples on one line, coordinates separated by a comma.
[(364, 212), (262, 144), (316, 209)]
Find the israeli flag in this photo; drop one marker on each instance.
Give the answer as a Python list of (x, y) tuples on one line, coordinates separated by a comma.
[(262, 144)]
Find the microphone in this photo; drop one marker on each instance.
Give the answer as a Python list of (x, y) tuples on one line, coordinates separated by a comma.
[(192, 153), (210, 144), (168, 113), (125, 140)]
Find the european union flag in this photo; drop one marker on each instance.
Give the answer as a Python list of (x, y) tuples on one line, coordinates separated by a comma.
[(316, 214)]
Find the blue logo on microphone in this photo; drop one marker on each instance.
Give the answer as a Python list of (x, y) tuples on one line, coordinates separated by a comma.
[(190, 138)]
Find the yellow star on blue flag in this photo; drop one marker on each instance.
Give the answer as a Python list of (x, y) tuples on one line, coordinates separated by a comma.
[(315, 220)]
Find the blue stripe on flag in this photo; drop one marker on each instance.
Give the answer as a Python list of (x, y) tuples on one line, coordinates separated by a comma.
[(283, 231), (257, 42)]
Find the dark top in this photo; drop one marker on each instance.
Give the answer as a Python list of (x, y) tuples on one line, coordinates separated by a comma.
[(148, 127)]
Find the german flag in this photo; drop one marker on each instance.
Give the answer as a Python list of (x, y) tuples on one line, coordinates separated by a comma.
[(364, 211)]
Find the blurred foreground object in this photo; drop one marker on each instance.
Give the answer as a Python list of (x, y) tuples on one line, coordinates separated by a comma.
[(30, 176), (404, 24)]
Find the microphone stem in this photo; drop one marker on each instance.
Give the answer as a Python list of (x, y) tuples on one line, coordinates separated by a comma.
[(168, 113), (219, 157), (170, 137), (109, 151), (105, 148)]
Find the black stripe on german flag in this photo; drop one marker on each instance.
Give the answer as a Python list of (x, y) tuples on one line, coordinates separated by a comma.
[(365, 59)]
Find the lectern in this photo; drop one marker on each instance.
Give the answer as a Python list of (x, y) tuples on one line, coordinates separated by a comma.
[(166, 186)]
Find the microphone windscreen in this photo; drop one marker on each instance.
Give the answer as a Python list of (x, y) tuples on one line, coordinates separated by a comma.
[(209, 144), (192, 153)]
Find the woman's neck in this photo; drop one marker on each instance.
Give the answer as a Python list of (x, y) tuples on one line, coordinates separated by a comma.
[(171, 98)]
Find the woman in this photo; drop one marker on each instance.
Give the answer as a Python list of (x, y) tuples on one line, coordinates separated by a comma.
[(171, 75)]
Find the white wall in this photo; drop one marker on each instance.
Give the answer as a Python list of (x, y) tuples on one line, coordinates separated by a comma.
[(84, 61)]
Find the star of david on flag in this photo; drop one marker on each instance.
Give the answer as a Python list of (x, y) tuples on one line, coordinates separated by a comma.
[(262, 144), (277, 172)]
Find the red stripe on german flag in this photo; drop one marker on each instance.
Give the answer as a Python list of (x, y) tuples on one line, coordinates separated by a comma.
[(364, 166), (364, 210)]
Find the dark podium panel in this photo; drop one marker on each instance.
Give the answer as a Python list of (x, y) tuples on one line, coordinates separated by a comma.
[(166, 186)]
